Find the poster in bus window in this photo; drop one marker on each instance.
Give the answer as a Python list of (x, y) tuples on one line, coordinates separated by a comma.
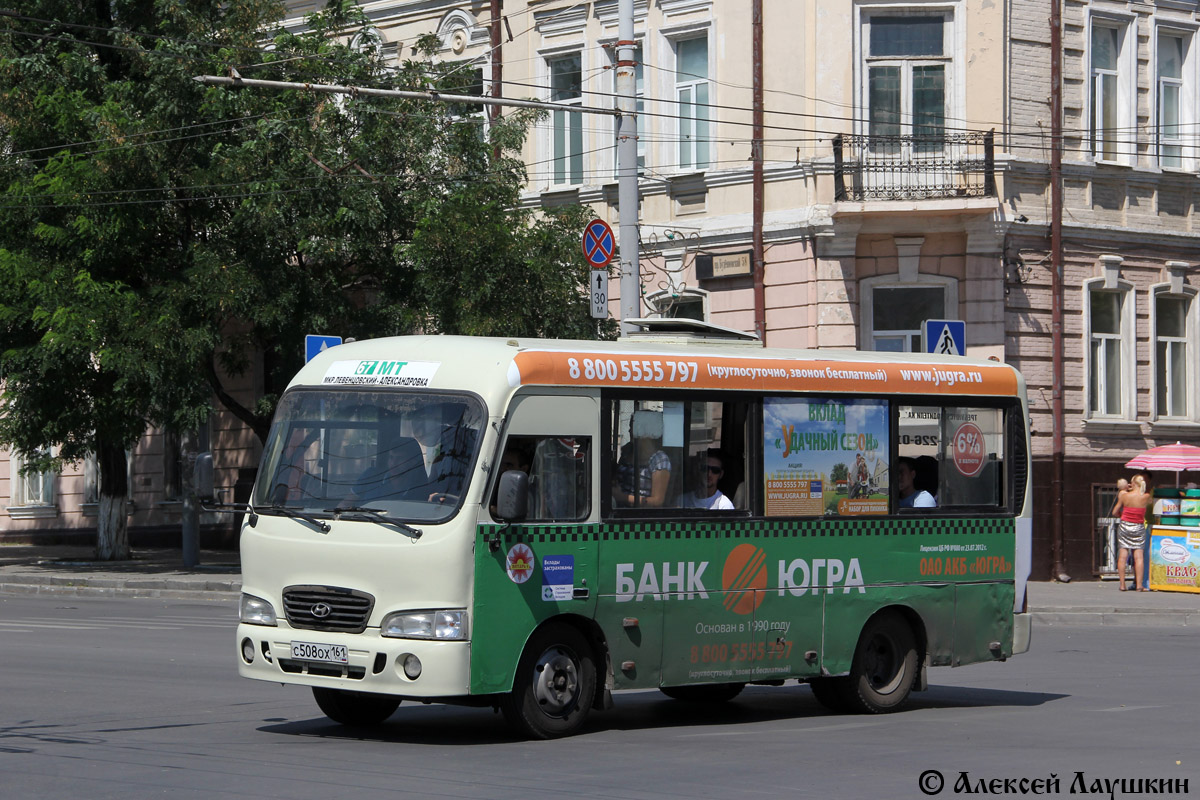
[(825, 456)]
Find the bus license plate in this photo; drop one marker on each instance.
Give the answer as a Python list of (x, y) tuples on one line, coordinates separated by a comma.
[(326, 653)]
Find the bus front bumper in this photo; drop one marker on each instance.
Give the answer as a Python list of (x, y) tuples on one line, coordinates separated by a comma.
[(373, 663)]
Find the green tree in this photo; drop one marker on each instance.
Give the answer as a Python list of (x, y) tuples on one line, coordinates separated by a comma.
[(156, 233)]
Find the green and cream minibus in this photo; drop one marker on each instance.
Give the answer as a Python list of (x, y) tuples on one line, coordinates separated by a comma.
[(534, 524)]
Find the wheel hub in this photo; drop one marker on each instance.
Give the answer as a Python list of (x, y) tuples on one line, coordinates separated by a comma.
[(556, 681)]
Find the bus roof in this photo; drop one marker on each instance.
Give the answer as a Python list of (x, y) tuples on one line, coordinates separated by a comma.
[(496, 365)]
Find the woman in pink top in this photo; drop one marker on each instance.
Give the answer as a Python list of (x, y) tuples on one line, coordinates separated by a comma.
[(1132, 502)]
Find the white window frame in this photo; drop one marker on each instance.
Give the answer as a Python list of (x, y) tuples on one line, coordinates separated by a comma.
[(1189, 341), (552, 156), (1123, 137), (1188, 87), (953, 38), (27, 504), (949, 287), (1126, 356), (709, 118)]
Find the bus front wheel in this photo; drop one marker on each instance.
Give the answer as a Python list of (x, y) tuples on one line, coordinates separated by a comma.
[(554, 686), (356, 709), (884, 667)]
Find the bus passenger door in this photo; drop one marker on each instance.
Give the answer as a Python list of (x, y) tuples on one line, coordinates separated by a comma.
[(544, 566)]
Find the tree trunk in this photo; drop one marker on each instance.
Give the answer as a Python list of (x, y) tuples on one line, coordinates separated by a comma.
[(112, 523)]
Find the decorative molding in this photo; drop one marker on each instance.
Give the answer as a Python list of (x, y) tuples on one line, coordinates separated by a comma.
[(676, 8), (1109, 267), (561, 22), (1105, 425), (1175, 427), (606, 12), (32, 512), (1176, 271), (908, 256)]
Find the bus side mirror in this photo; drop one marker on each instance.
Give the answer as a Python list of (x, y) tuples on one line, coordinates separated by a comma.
[(512, 502), (202, 476)]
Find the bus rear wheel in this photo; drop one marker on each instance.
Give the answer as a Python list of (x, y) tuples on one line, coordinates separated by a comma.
[(884, 667), (356, 709), (555, 684), (704, 693)]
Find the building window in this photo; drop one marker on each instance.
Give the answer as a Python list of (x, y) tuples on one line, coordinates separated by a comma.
[(468, 80), (1107, 42), (693, 95), (566, 86), (1171, 51), (897, 313), (906, 81), (643, 123), (33, 493), (1110, 335), (1171, 361)]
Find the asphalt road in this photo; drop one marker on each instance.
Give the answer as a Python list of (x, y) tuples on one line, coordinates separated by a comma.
[(136, 698)]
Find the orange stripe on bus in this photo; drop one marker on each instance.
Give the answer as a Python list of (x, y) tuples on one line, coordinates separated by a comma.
[(687, 371)]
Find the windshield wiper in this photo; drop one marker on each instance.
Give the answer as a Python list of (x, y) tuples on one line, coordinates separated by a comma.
[(276, 508), (374, 515)]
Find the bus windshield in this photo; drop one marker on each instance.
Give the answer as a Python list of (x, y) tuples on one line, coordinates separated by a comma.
[(405, 454)]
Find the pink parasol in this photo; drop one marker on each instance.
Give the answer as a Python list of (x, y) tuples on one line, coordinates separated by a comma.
[(1169, 458)]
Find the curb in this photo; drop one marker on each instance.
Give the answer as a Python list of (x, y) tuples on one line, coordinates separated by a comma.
[(167, 587), (1085, 617)]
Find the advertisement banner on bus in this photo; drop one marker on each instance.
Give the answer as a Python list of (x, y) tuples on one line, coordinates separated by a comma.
[(825, 456)]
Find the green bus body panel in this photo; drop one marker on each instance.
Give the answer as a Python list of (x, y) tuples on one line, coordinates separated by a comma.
[(684, 602)]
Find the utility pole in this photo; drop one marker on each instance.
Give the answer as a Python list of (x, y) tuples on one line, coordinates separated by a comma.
[(497, 65), (1057, 498), (627, 169)]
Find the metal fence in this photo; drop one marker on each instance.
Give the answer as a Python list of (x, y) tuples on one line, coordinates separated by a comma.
[(914, 167)]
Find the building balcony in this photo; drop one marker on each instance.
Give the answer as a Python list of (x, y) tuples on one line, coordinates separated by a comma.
[(910, 167)]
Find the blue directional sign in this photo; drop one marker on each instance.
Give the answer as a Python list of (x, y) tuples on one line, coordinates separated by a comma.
[(315, 345), (946, 337), (598, 243)]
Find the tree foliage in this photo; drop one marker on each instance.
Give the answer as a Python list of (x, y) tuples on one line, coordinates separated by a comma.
[(157, 233)]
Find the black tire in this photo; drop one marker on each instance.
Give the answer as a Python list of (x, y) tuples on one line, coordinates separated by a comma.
[(554, 686), (884, 667), (356, 709), (831, 693), (704, 693)]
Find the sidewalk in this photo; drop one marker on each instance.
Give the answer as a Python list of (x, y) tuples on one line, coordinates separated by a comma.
[(153, 572), (159, 572)]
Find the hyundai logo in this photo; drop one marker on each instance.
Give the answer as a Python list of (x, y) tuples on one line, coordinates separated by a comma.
[(321, 610)]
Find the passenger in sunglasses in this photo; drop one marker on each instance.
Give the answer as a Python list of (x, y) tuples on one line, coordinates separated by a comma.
[(710, 468)]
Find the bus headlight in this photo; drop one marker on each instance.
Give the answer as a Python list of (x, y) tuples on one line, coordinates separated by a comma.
[(256, 611), (443, 625)]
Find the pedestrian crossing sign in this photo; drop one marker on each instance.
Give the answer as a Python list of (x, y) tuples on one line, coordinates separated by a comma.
[(947, 337)]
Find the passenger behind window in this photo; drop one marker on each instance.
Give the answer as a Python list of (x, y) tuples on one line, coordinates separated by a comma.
[(706, 472), (909, 495), (398, 471), (642, 476), (927, 476)]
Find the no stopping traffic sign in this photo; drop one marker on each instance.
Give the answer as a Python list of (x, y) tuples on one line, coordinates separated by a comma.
[(598, 243)]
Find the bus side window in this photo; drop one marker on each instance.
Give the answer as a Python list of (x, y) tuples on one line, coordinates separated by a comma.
[(559, 479), (559, 469)]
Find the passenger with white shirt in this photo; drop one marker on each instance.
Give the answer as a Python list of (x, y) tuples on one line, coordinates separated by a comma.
[(706, 494)]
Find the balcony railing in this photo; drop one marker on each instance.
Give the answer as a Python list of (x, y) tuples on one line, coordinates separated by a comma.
[(914, 167)]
